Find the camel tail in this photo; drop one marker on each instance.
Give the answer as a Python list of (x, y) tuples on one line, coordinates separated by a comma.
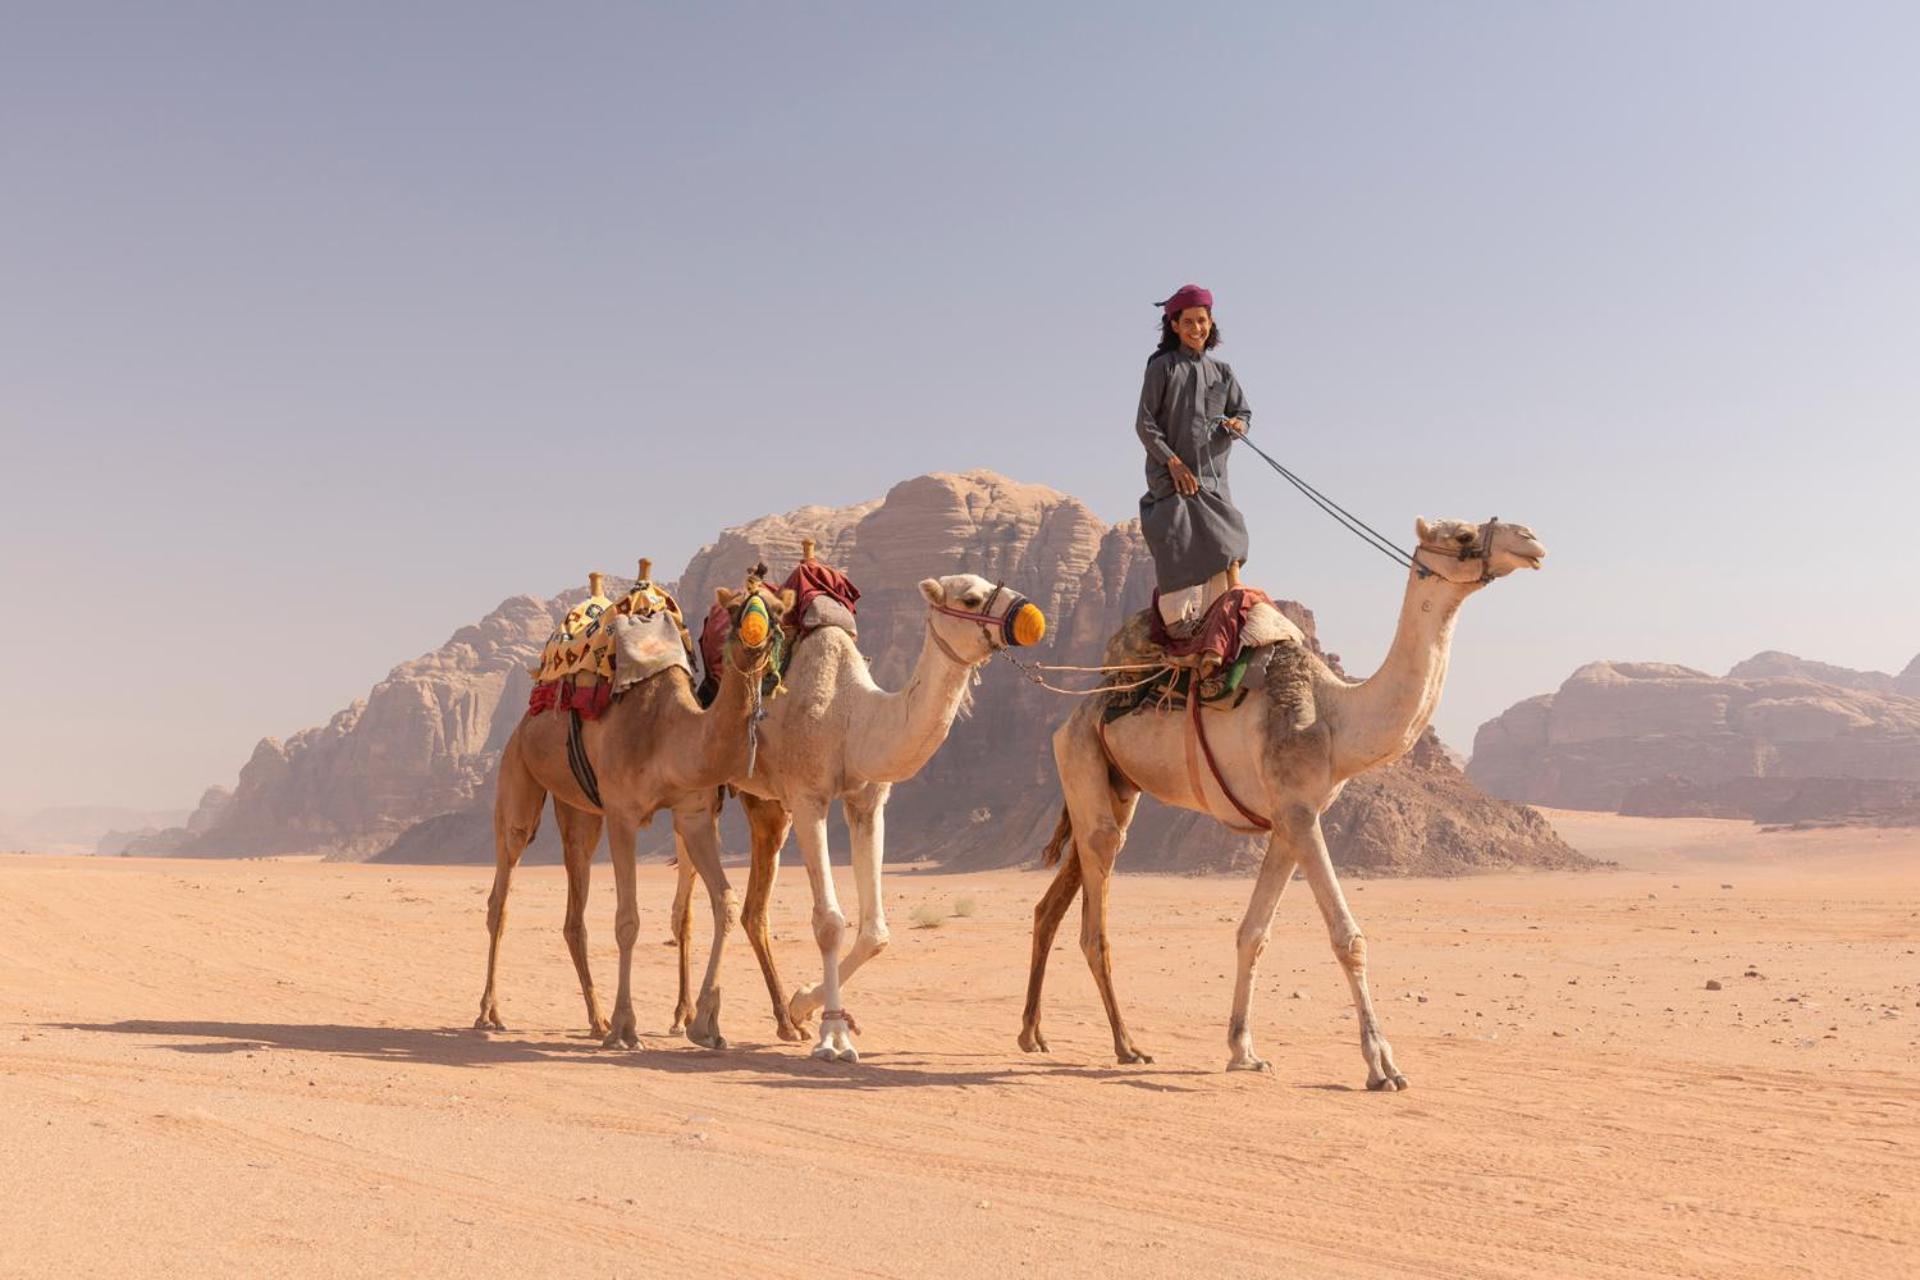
[(1062, 832)]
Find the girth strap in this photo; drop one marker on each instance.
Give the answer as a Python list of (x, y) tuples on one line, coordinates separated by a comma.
[(1198, 733), (578, 762)]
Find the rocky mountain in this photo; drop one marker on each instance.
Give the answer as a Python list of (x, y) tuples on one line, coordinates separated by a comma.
[(405, 774), (1778, 739)]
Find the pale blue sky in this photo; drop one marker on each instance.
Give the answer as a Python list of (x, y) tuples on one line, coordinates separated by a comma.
[(311, 317)]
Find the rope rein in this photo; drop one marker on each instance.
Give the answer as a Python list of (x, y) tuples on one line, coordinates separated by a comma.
[(1480, 549)]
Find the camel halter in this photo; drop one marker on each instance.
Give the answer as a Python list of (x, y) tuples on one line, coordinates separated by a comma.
[(756, 709), (1480, 548), (999, 631)]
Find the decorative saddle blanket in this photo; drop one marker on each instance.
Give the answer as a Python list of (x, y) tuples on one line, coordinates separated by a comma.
[(603, 647)]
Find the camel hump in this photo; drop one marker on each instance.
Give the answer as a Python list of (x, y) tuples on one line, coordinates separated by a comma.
[(1266, 625)]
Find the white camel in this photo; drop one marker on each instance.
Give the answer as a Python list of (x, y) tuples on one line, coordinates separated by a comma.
[(1282, 759), (835, 734)]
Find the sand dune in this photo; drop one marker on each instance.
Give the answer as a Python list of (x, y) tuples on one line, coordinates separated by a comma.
[(265, 1068)]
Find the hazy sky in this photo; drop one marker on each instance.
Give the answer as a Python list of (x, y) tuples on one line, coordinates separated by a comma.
[(325, 327)]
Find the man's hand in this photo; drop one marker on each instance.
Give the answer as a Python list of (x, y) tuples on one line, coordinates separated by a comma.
[(1184, 482), (1234, 425)]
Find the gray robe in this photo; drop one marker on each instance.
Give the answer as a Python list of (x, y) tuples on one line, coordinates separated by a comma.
[(1182, 402)]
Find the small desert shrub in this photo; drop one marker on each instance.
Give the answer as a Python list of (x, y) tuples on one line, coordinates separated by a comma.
[(927, 917), (964, 907)]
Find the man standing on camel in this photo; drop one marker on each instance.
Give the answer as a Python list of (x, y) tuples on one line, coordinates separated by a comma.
[(1191, 408)]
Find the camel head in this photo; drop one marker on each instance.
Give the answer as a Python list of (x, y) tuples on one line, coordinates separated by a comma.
[(756, 614), (1469, 554), (971, 617)]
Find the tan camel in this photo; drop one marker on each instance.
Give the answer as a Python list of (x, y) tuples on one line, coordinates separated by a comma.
[(1283, 756), (835, 734), (653, 748)]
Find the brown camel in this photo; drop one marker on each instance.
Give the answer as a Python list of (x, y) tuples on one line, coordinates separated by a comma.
[(1282, 759), (653, 748)]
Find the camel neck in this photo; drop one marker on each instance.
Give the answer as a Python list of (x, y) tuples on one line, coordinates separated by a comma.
[(721, 732), (1380, 718), (908, 727)]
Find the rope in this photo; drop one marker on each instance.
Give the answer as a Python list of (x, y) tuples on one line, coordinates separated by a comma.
[(1032, 670), (1347, 520)]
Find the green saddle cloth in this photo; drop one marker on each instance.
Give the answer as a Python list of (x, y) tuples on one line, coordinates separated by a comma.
[(1174, 686)]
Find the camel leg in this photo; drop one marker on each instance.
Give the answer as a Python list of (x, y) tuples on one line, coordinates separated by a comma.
[(683, 933), (1100, 823), (1255, 928), (517, 802), (770, 822), (1351, 950), (1052, 909), (698, 826), (624, 1028), (1047, 915), (579, 834), (866, 839), (829, 928)]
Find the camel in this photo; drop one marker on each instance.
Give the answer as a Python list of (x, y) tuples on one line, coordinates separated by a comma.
[(1283, 758), (653, 748), (835, 734)]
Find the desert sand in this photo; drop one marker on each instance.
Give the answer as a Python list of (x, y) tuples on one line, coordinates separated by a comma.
[(256, 1067)]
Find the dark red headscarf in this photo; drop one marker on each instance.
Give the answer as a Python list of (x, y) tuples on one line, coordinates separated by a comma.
[(1188, 295)]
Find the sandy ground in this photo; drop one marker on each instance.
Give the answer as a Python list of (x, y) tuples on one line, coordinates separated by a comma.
[(266, 1068)]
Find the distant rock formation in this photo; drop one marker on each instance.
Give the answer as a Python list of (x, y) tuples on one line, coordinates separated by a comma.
[(421, 743), (406, 773), (1778, 739), (77, 829)]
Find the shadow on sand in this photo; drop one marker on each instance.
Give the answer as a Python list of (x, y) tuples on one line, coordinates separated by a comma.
[(770, 1066)]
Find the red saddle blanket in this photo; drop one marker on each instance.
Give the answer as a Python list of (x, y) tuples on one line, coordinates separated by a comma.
[(713, 643), (589, 701), (1219, 631), (809, 580)]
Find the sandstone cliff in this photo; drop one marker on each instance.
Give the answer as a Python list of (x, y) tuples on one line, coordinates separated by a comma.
[(406, 773), (1778, 738)]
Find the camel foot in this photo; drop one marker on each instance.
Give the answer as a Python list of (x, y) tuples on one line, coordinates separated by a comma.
[(1131, 1057), (598, 1028), (1382, 1075), (790, 1033), (1032, 1041), (836, 1042), (624, 1030), (679, 1025), (1249, 1063), (704, 1030), (489, 1019), (682, 1015)]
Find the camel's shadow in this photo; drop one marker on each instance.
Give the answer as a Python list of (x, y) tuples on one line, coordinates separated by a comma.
[(769, 1065)]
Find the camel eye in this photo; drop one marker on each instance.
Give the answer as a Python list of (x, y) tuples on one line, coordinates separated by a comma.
[(1463, 537), (972, 599)]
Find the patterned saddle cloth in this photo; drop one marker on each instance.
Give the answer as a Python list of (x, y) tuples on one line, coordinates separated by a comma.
[(605, 647)]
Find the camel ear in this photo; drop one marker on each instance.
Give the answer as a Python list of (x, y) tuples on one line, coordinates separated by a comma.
[(1421, 529), (933, 591), (786, 601), (724, 597)]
